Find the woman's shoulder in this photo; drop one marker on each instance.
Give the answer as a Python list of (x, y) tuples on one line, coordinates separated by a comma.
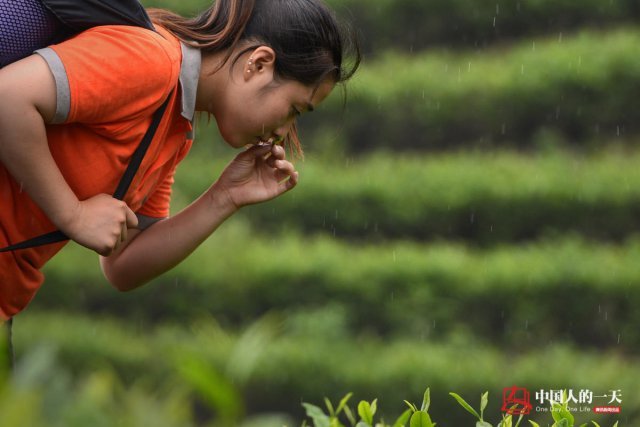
[(114, 72), (125, 40)]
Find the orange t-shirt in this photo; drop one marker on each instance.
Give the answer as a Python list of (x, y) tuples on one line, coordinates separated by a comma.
[(110, 80)]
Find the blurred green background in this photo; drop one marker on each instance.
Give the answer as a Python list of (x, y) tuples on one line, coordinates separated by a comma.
[(468, 222)]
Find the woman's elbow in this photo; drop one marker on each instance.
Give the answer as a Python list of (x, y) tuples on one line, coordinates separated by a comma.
[(121, 280)]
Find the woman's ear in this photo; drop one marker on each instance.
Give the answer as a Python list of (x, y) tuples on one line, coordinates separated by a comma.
[(261, 62)]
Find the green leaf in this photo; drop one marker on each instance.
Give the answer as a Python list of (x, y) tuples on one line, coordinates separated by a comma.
[(484, 424), (506, 421), (616, 424), (327, 402), (216, 390), (349, 414), (411, 406), (560, 412), (534, 424), (420, 419), (465, 405), (563, 423), (519, 419), (484, 400), (403, 419), (426, 400), (343, 403), (364, 410), (374, 408), (362, 424), (595, 424), (320, 419)]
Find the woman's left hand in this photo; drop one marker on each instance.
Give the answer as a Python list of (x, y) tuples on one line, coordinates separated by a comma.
[(258, 174)]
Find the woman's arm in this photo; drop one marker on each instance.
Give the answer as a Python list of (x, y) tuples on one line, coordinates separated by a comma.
[(27, 102), (258, 174)]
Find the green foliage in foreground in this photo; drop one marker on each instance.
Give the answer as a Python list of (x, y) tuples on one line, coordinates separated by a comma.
[(43, 393), (582, 87), (414, 417), (276, 363)]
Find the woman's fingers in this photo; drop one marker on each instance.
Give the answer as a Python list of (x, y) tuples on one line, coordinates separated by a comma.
[(282, 166)]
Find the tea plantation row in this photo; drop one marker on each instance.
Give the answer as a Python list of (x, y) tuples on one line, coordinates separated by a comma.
[(582, 88), (406, 25), (562, 289), (483, 198), (417, 24)]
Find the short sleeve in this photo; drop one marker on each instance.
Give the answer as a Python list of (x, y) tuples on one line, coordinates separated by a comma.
[(158, 203), (111, 73)]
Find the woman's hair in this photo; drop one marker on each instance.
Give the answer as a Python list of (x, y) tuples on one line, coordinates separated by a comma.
[(309, 42)]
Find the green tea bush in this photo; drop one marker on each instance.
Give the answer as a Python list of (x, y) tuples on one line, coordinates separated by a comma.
[(519, 293), (418, 24), (580, 88), (483, 198)]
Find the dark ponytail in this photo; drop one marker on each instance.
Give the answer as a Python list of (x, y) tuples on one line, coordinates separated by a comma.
[(309, 42)]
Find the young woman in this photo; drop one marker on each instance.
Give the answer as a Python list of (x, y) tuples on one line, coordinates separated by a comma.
[(72, 114)]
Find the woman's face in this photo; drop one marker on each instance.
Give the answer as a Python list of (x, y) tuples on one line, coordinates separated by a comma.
[(254, 106)]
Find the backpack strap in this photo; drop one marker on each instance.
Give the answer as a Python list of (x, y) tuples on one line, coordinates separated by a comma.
[(79, 15), (121, 190)]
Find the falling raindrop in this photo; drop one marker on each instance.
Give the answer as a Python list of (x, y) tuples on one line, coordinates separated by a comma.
[(494, 22), (469, 68), (618, 338), (534, 46), (497, 9), (560, 37)]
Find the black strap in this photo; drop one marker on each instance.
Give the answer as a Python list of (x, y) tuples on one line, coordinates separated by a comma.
[(121, 190)]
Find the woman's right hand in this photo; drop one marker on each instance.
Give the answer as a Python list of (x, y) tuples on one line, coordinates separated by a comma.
[(99, 223)]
